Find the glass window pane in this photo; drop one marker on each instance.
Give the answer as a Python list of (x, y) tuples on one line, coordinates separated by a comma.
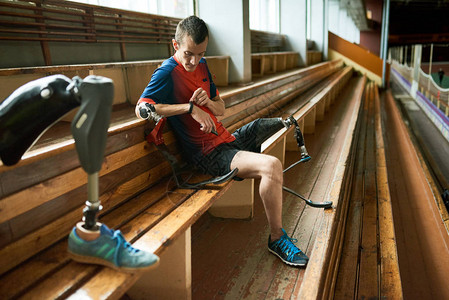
[(264, 15)]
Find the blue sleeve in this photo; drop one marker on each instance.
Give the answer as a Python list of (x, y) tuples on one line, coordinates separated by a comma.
[(213, 88), (160, 87)]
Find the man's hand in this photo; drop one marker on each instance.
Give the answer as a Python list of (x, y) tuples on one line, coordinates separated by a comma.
[(200, 97), (204, 119), (215, 105)]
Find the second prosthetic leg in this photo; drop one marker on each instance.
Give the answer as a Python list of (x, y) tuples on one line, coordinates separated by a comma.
[(291, 121)]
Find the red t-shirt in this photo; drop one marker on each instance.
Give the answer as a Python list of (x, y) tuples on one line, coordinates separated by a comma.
[(172, 84)]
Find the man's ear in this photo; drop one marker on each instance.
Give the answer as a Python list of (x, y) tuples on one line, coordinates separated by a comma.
[(175, 44)]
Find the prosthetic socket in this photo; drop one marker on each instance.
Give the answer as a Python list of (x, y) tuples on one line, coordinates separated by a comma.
[(30, 110), (148, 112)]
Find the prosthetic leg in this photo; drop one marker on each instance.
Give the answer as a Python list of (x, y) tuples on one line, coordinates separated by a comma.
[(34, 107), (304, 158), (299, 140), (89, 129)]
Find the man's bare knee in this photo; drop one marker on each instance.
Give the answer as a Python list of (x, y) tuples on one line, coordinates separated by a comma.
[(271, 165)]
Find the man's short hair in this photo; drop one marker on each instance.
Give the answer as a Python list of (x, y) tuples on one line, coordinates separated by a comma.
[(194, 27)]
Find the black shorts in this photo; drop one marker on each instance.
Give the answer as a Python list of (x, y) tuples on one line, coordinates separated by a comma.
[(247, 138)]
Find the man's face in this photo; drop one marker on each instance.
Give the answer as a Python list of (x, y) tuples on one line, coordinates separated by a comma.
[(188, 53)]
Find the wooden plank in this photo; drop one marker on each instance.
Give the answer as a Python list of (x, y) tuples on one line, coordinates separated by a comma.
[(310, 120), (331, 170), (256, 65), (118, 76), (320, 109), (281, 61), (348, 268), (368, 285), (312, 218), (248, 107), (68, 20), (219, 69), (43, 192), (109, 184), (390, 279), (172, 279), (268, 107)]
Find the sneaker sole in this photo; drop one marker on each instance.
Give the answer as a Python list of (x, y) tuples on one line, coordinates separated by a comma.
[(98, 261), (287, 262)]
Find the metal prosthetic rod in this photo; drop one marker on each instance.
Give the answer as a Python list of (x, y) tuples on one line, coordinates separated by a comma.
[(298, 135), (89, 129), (299, 140)]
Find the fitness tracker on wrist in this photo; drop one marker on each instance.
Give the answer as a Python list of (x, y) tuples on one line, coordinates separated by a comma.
[(191, 107)]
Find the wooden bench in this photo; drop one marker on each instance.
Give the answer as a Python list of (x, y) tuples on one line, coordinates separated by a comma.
[(130, 78), (314, 57), (273, 62), (49, 187)]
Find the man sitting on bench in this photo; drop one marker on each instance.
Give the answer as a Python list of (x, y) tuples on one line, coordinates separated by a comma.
[(182, 90)]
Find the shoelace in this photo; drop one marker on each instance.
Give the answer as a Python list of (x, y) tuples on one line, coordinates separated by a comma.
[(121, 240), (286, 244)]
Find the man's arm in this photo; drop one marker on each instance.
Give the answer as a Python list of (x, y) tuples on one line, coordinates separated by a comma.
[(166, 110)]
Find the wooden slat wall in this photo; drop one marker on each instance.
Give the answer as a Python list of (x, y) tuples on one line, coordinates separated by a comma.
[(314, 57), (262, 41), (65, 21)]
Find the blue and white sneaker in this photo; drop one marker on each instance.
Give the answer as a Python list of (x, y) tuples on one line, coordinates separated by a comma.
[(286, 250), (112, 250)]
